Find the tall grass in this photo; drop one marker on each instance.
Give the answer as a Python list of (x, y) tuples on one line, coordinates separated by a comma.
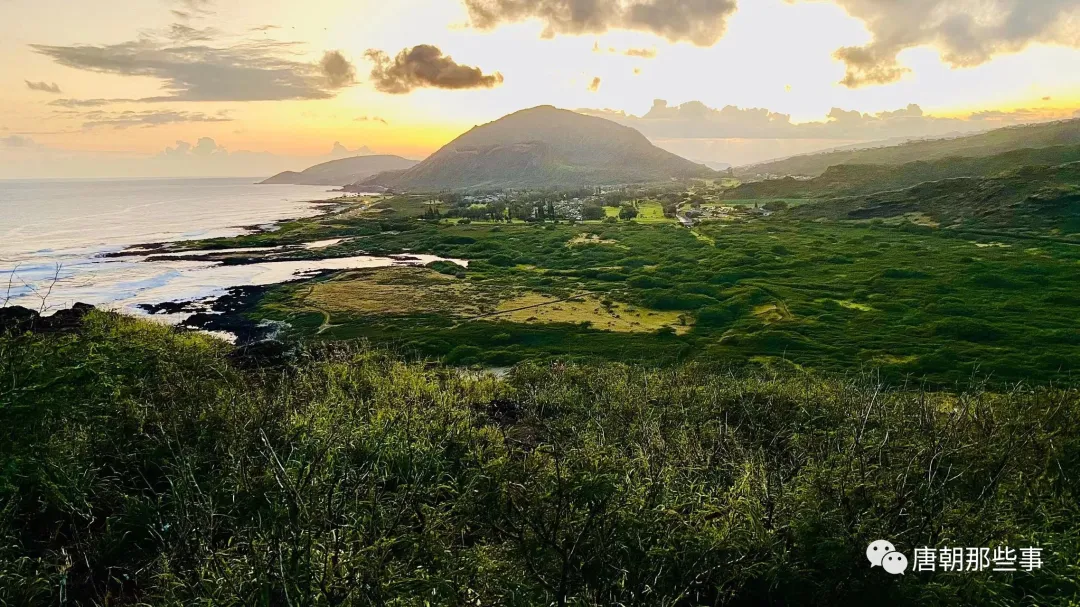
[(140, 466)]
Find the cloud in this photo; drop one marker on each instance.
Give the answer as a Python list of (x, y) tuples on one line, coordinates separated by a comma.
[(371, 119), (203, 148), (965, 32), (595, 84), (741, 136), (192, 8), (78, 103), (44, 87), (147, 119), (425, 66), (179, 32), (194, 68), (340, 151), (695, 120), (337, 69), (18, 142), (21, 157), (868, 66), (643, 53), (701, 22)]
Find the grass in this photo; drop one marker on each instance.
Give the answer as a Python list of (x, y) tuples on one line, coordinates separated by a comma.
[(893, 293), (143, 466), (857, 294), (539, 308), (393, 290)]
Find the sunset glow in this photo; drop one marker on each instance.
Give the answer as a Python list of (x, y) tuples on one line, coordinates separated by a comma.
[(63, 114)]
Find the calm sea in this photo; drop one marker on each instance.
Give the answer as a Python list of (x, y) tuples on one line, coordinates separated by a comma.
[(61, 228)]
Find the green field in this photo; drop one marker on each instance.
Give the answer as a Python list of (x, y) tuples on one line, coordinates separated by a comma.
[(903, 298)]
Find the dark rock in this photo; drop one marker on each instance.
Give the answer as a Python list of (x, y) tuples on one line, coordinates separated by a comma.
[(63, 320), (169, 307), (17, 319), (266, 353)]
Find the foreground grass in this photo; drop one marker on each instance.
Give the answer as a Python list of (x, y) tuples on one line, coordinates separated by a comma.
[(141, 466)]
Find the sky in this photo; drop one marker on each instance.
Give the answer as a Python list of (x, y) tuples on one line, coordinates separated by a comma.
[(142, 88)]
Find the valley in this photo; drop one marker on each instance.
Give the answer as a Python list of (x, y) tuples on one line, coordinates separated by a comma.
[(801, 286)]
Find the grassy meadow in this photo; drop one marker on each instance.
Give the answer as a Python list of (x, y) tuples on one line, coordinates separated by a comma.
[(901, 295)]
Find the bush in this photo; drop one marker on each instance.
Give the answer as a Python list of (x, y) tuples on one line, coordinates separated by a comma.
[(463, 355), (501, 260), (968, 330), (673, 300), (139, 465)]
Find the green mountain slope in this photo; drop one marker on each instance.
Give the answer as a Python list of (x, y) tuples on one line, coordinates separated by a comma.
[(543, 147), (343, 171), (991, 143), (856, 179), (1028, 200), (139, 465)]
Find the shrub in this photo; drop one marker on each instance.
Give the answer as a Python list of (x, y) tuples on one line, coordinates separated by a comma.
[(139, 465)]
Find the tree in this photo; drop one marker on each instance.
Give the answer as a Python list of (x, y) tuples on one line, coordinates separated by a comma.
[(592, 211), (627, 212)]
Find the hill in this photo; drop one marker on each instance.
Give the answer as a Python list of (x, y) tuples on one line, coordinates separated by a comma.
[(856, 179), (1066, 132), (543, 147), (1029, 200), (343, 171)]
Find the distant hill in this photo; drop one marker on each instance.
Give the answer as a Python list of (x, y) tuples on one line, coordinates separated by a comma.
[(1029, 200), (715, 164), (990, 143), (543, 147), (855, 179), (343, 171)]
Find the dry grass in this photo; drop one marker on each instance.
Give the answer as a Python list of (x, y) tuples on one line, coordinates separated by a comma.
[(539, 308), (772, 313), (585, 238), (395, 290)]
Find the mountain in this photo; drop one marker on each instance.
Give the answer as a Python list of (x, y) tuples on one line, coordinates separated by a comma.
[(989, 143), (856, 179), (343, 171), (543, 147), (1031, 200)]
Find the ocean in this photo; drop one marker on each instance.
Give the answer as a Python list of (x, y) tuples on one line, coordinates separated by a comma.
[(54, 233)]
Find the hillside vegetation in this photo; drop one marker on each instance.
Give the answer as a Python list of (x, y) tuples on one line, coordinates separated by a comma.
[(143, 466), (543, 147), (342, 172), (991, 143), (1026, 201), (858, 179), (809, 287)]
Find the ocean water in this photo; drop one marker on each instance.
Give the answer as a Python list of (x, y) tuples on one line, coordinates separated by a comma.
[(54, 233)]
